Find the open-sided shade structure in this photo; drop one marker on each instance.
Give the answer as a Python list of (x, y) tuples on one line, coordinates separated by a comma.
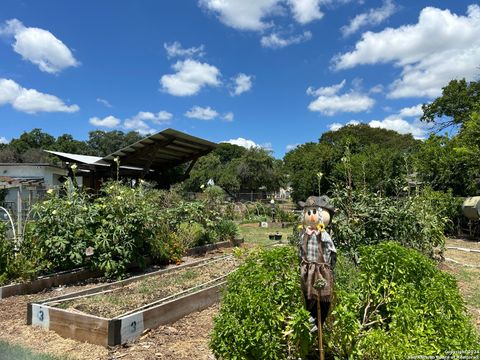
[(149, 157), (162, 151)]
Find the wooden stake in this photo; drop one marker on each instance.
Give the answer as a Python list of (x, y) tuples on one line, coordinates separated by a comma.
[(320, 331)]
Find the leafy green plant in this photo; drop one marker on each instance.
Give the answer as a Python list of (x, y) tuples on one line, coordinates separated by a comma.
[(63, 228), (227, 230), (366, 218), (262, 314), (396, 304)]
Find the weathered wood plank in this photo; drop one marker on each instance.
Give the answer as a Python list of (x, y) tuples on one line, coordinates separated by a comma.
[(46, 282), (176, 309), (81, 327)]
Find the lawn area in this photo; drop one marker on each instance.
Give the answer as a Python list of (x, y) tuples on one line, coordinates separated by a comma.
[(13, 352), (254, 234)]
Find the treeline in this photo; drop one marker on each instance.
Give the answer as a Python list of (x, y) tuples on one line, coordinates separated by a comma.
[(392, 164), (28, 148)]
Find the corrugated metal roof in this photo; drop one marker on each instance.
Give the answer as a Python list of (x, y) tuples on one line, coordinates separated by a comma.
[(159, 151), (84, 159), (162, 150)]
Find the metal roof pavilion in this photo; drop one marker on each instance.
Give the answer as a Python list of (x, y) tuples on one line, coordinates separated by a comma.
[(157, 152), (162, 150)]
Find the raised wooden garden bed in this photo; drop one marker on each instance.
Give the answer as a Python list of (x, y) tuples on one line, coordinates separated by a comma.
[(119, 312), (47, 282)]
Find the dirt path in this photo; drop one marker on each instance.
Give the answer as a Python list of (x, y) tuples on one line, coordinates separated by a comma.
[(468, 278)]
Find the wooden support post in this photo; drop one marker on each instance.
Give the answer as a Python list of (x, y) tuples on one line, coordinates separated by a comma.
[(320, 331)]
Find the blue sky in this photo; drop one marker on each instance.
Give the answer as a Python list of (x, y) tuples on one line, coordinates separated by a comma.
[(275, 73)]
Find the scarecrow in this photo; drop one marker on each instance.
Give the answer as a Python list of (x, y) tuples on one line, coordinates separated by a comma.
[(318, 257)]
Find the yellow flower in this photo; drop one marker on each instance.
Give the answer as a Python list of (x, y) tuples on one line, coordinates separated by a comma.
[(320, 227), (300, 227)]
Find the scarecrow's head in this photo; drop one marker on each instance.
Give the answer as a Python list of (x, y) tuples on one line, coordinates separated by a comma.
[(317, 212)]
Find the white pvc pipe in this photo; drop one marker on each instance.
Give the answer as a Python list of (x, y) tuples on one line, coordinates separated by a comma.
[(11, 222)]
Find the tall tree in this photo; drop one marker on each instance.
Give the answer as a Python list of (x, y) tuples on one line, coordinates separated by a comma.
[(458, 100)]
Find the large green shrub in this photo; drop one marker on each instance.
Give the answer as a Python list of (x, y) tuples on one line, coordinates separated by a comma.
[(366, 218), (63, 227), (262, 314), (6, 250), (396, 304)]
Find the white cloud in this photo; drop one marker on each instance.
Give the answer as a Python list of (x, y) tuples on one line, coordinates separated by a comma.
[(3, 140), (396, 123), (30, 100), (440, 47), (136, 124), (139, 122), (291, 146), (228, 117), (158, 118), (327, 90), (329, 102), (276, 41), (413, 111), (376, 89), (108, 122), (337, 126), (248, 144), (175, 49), (104, 102), (252, 15), (372, 17), (243, 83), (201, 113), (305, 11), (39, 46), (190, 77)]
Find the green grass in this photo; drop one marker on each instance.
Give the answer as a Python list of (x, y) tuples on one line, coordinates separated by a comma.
[(14, 352), (259, 235)]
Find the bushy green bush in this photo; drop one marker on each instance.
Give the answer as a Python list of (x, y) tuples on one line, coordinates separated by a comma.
[(63, 227), (396, 304), (262, 314), (366, 218), (227, 230)]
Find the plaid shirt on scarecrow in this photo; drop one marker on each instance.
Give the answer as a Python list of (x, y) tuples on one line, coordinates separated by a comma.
[(312, 247)]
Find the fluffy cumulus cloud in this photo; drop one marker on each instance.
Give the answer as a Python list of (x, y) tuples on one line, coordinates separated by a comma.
[(329, 102), (242, 83), (3, 140), (275, 40), (201, 113), (176, 49), (39, 46), (31, 101), (370, 18), (254, 15), (190, 77), (396, 122), (441, 46), (141, 121), (248, 144), (108, 122)]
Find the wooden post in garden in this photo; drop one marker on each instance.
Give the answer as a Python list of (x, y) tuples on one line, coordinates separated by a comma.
[(320, 331)]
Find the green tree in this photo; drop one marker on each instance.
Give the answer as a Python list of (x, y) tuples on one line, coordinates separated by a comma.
[(102, 143), (458, 100)]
